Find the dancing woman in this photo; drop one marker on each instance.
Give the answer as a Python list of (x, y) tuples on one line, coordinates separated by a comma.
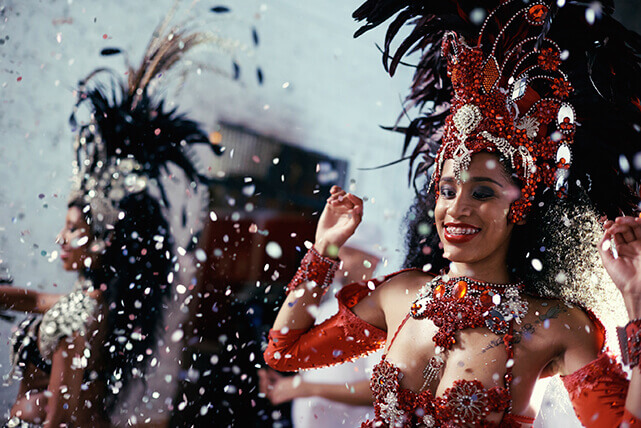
[(78, 354), (508, 218)]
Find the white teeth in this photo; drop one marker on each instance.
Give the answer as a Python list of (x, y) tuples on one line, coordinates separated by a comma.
[(462, 230)]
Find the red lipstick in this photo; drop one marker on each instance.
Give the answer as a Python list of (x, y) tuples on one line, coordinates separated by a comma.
[(460, 238)]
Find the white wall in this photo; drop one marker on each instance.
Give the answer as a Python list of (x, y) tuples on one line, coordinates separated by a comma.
[(337, 96)]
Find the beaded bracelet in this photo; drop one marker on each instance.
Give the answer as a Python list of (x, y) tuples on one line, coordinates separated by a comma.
[(630, 342), (314, 268)]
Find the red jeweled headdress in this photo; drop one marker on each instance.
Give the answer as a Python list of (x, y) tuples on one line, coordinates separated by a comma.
[(494, 76), (508, 100)]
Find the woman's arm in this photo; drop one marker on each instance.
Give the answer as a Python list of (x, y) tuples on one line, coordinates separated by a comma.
[(599, 389), (293, 343), (19, 299), (340, 338), (621, 254), (598, 393), (340, 218), (67, 368), (280, 389)]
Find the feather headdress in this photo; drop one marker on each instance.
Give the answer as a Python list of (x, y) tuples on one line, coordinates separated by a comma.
[(573, 53), (125, 147), (131, 137)]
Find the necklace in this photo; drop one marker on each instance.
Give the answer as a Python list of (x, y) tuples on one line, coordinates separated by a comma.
[(454, 304)]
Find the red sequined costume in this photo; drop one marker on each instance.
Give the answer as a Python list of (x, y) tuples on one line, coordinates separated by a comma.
[(597, 391)]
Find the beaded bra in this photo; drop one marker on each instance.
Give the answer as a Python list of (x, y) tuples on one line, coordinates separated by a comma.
[(452, 304)]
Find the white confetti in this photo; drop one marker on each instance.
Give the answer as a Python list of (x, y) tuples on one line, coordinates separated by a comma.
[(177, 335), (297, 381), (201, 256), (477, 15), (273, 250), (537, 265), (624, 164), (79, 242)]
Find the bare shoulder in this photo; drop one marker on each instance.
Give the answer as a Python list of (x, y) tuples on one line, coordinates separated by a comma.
[(406, 283), (397, 296), (585, 331), (569, 329), (392, 298), (560, 317)]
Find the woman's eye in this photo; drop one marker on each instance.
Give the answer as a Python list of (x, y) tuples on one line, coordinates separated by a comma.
[(447, 192), (483, 193)]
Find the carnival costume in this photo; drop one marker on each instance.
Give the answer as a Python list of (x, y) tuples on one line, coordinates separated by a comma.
[(123, 148), (494, 84)]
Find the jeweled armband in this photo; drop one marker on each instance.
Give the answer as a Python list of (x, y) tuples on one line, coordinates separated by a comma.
[(630, 342), (314, 268)]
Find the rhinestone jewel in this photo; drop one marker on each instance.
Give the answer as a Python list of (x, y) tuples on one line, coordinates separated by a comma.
[(460, 289), (468, 402), (429, 421), (519, 88), (486, 298), (530, 125), (439, 290), (467, 118), (536, 14)]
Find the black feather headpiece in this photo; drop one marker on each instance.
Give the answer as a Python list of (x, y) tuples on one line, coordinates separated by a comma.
[(132, 137), (122, 152)]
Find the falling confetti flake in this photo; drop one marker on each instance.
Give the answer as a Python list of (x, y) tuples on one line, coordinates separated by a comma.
[(201, 256), (273, 250), (177, 336)]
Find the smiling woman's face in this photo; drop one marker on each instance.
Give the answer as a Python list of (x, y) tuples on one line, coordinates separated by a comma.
[(471, 214), (74, 239)]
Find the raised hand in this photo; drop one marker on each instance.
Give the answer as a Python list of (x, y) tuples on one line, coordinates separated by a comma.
[(621, 254), (340, 218)]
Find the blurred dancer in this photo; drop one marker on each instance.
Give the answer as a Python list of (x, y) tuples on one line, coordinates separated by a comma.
[(78, 353)]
